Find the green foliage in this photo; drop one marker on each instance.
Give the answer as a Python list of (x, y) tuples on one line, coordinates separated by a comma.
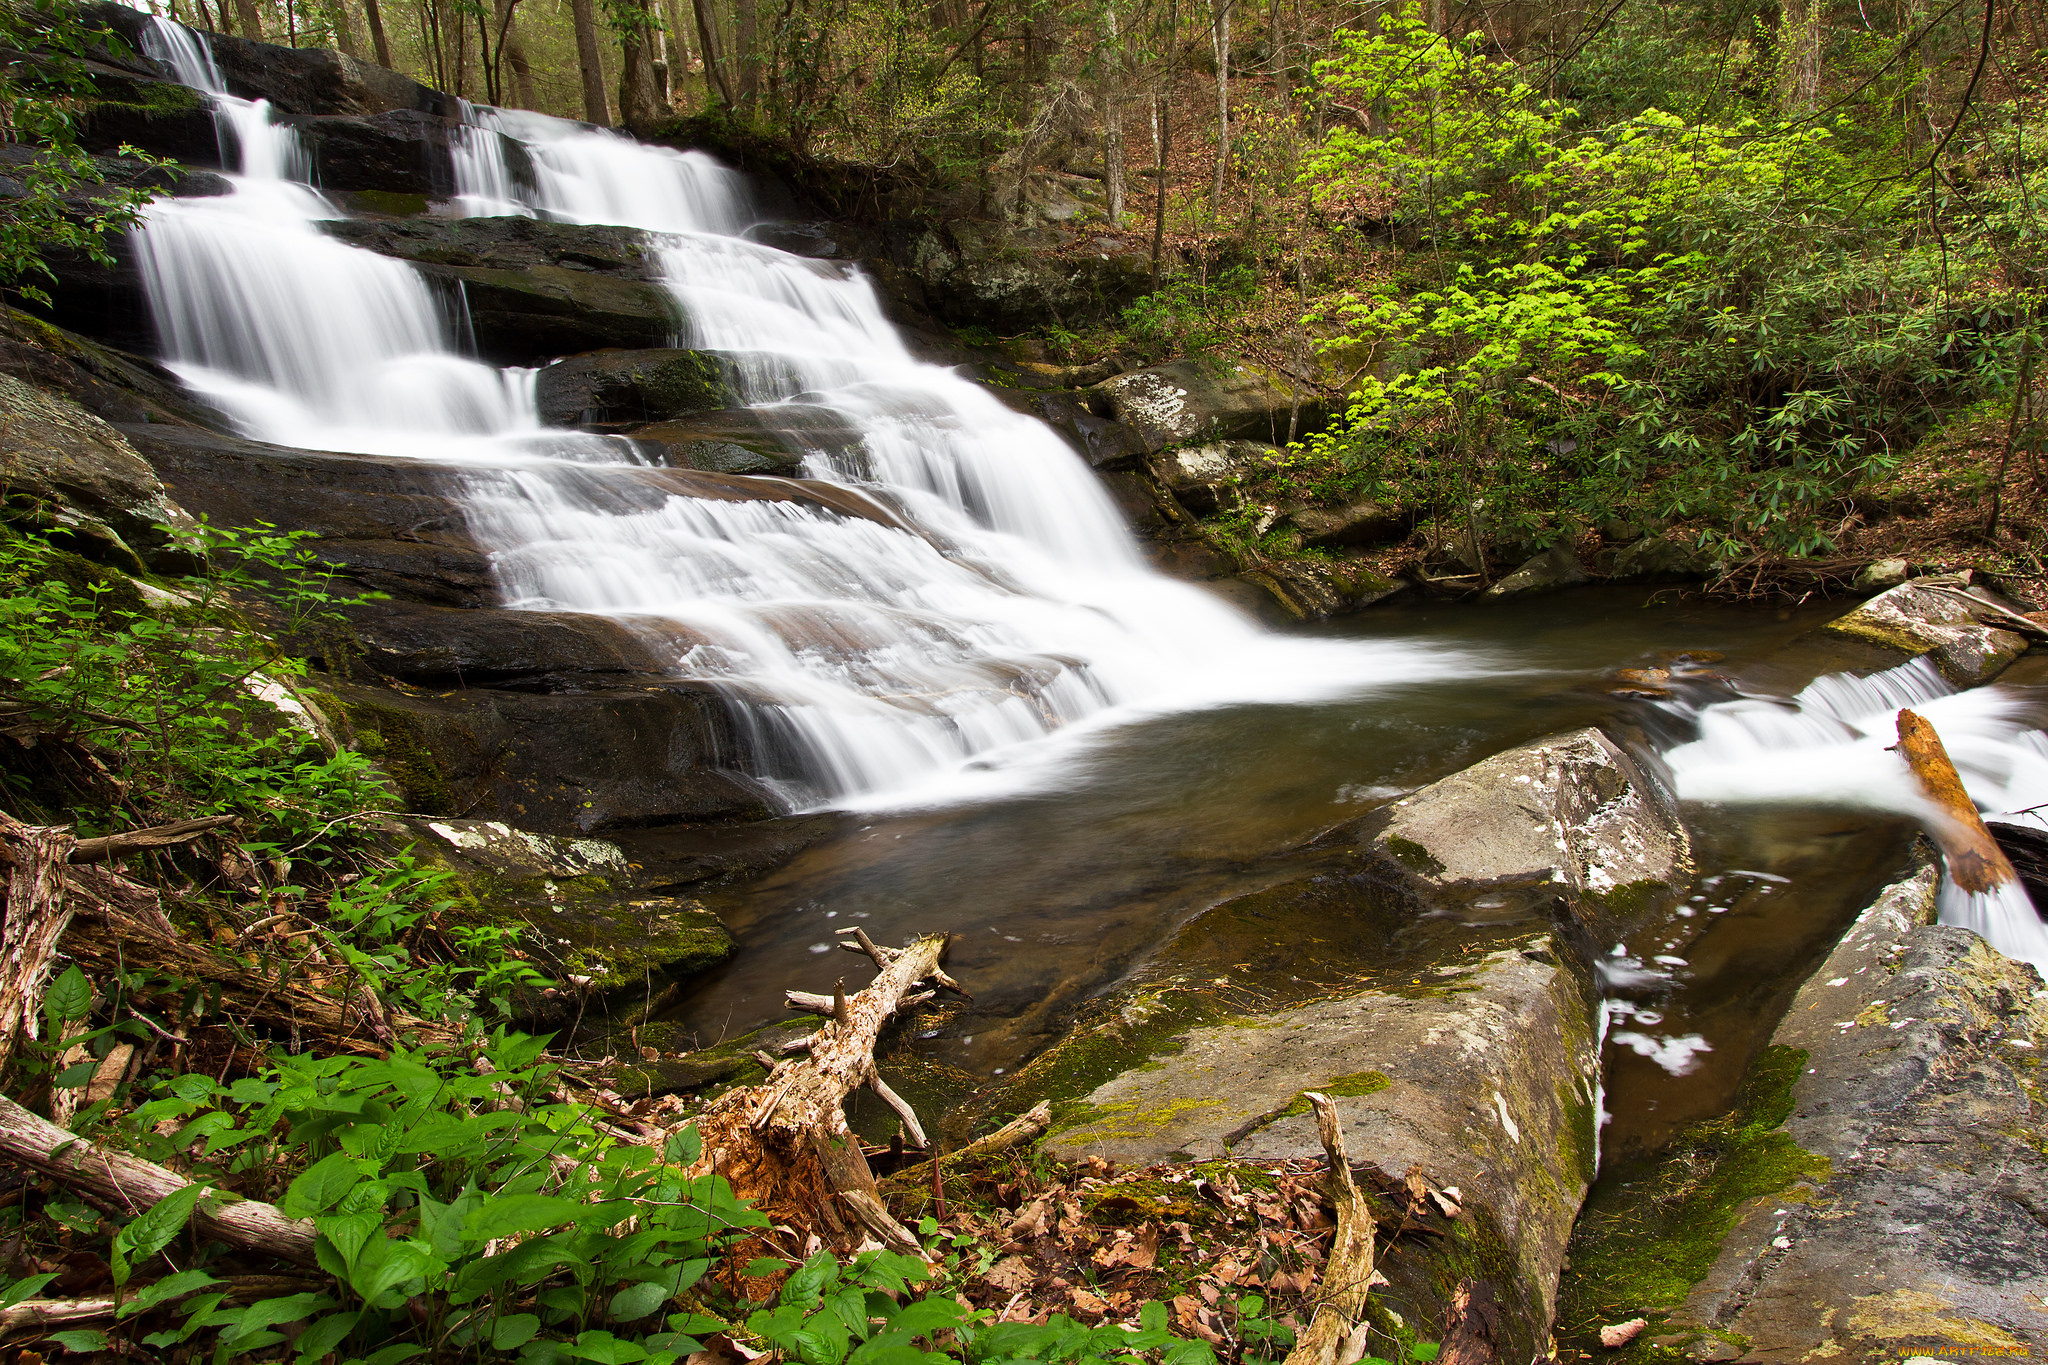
[(1662, 318), (39, 99), (1190, 313), (188, 703)]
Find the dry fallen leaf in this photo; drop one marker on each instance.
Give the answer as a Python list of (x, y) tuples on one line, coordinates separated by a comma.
[(1622, 1333), (1089, 1303), (1011, 1274)]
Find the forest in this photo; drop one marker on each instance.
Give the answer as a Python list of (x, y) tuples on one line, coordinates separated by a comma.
[(356, 888)]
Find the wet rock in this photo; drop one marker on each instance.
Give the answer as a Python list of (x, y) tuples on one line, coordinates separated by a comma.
[(296, 80), (1554, 568), (533, 290), (1353, 524), (1205, 478), (581, 919), (972, 272), (82, 481), (1314, 590), (612, 389), (402, 151), (107, 383), (1203, 399), (521, 650), (1937, 617), (1572, 816), (1885, 573), (1486, 1080), (1917, 1052), (1104, 444), (819, 241), (560, 763), (1664, 556), (162, 118)]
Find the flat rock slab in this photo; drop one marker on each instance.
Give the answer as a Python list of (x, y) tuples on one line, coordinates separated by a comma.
[(1936, 619), (1922, 1089), (1485, 1081), (1571, 816)]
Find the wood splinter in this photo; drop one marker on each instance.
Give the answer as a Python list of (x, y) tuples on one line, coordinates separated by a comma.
[(1975, 861), (1337, 1333)]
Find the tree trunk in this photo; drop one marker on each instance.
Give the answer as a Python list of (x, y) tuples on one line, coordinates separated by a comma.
[(250, 18), (679, 53), (641, 106), (344, 28), (1162, 148), (707, 39), (745, 54), (375, 17), (1220, 35), (35, 917), (1798, 55), (1113, 117), (511, 51), (591, 60), (127, 1185)]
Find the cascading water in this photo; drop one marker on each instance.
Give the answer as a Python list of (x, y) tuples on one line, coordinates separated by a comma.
[(994, 601), (1831, 745)]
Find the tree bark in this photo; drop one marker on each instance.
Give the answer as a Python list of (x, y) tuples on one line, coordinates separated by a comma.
[(745, 53), (251, 19), (511, 51), (1162, 148), (1798, 55), (784, 1144), (1113, 117), (707, 40), (1219, 33), (590, 59), (35, 917), (375, 17), (1339, 1322), (126, 1185), (1975, 861), (344, 28), (641, 107)]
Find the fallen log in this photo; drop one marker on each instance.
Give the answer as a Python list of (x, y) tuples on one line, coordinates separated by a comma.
[(126, 1185), (35, 917), (784, 1144), (1975, 861), (109, 846), (1026, 1127), (1337, 1333), (44, 1314)]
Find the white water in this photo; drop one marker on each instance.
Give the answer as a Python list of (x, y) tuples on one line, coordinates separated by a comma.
[(867, 661), (1831, 745)]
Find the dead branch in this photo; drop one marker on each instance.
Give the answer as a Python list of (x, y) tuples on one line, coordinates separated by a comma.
[(126, 1185), (1975, 861), (1339, 1323), (1473, 1335), (48, 1313), (111, 846), (34, 918), (785, 1145), (1024, 1128)]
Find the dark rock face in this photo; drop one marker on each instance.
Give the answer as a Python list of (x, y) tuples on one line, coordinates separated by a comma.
[(518, 650), (1918, 1052), (606, 390), (1556, 567), (534, 290), (1354, 524), (978, 273), (401, 151)]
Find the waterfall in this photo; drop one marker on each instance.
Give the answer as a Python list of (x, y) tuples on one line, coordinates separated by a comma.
[(1831, 745), (961, 643)]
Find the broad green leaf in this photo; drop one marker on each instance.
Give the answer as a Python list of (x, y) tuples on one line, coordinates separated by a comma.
[(25, 1289), (391, 1355), (511, 1333), (267, 1313), (320, 1340), (68, 998), (520, 1213), (80, 1340), (153, 1229), (321, 1186), (637, 1301), (163, 1291), (606, 1349)]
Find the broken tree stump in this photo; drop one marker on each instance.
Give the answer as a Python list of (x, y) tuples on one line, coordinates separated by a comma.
[(784, 1144), (1336, 1335)]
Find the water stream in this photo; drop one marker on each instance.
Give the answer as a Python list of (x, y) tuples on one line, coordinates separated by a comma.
[(1036, 740)]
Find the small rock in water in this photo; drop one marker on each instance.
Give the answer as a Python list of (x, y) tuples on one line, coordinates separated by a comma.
[(1885, 573), (1622, 1333)]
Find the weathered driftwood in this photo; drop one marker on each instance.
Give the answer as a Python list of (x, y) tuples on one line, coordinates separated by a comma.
[(126, 1185), (44, 1314), (1975, 861), (129, 841), (1018, 1131), (1337, 1333), (785, 1145), (35, 917)]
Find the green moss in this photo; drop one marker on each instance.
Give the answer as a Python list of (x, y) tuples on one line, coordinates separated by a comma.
[(1630, 901), (1857, 626), (393, 739), (391, 203), (1414, 855), (1653, 1230)]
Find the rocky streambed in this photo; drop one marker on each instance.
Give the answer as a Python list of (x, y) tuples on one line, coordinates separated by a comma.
[(1445, 904)]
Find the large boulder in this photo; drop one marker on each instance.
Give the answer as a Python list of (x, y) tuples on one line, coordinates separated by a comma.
[(1203, 399), (616, 389), (1205, 478), (1663, 556), (1906, 1214), (402, 151), (972, 272), (1485, 1081), (107, 383), (1556, 567), (82, 481), (160, 117), (431, 646), (1960, 630), (1350, 524), (1571, 817)]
